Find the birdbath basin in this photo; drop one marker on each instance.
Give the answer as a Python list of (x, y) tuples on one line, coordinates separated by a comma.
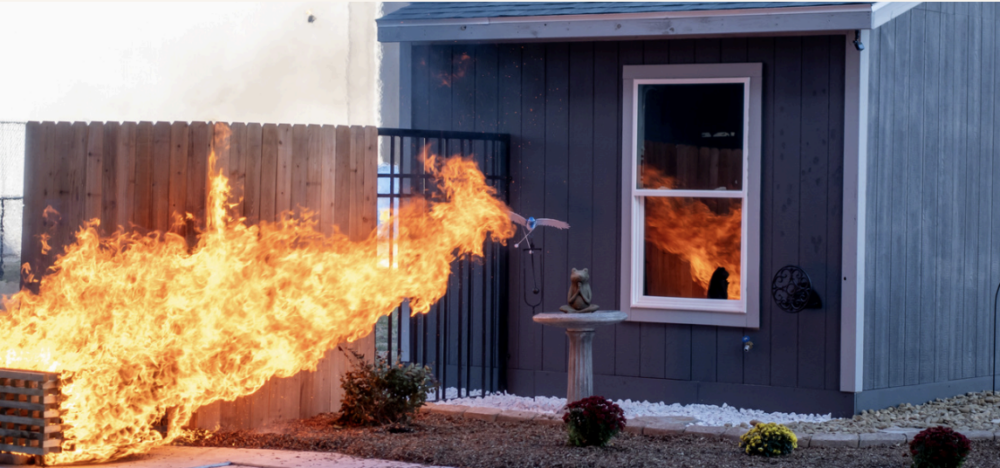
[(580, 330)]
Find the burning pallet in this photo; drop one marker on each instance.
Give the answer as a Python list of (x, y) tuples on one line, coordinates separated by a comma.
[(29, 412)]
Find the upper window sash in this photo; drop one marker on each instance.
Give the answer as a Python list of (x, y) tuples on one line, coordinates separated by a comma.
[(700, 193)]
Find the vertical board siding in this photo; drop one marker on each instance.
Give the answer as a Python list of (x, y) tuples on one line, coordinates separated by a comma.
[(628, 337), (930, 148), (561, 103), (145, 176), (729, 343), (757, 365), (835, 210), (896, 196), (531, 188), (605, 198), (704, 339), (814, 178), (785, 206), (913, 159), (653, 336), (556, 201), (932, 231)]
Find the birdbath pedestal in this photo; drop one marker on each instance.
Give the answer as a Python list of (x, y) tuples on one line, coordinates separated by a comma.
[(580, 330)]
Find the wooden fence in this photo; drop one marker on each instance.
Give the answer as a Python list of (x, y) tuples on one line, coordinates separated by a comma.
[(139, 175)]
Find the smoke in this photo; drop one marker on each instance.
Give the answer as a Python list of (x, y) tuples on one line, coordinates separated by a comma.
[(260, 62)]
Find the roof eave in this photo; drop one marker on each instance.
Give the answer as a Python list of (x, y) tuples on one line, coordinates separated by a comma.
[(645, 25)]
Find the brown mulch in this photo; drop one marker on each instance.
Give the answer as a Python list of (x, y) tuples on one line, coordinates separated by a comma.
[(446, 441)]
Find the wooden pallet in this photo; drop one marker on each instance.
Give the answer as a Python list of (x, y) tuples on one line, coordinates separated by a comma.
[(29, 412)]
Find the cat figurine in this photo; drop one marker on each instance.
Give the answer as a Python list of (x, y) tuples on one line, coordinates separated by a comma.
[(579, 295)]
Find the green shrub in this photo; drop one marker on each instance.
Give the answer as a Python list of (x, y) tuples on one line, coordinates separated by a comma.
[(593, 421), (939, 447), (769, 440), (379, 393)]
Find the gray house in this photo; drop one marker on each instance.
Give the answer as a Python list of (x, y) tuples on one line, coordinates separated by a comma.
[(699, 149)]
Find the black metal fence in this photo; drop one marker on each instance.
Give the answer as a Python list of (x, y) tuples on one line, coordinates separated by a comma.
[(463, 337)]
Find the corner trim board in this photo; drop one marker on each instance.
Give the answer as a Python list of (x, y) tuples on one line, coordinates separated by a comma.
[(852, 323)]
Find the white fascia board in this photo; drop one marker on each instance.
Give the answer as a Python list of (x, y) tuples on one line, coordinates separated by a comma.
[(639, 25), (884, 12)]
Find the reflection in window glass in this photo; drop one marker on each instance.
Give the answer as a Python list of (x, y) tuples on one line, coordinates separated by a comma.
[(692, 134), (692, 247)]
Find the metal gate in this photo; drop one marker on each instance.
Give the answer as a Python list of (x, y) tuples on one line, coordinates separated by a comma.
[(463, 338)]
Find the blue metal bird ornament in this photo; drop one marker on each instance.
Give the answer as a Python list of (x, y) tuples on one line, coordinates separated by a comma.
[(531, 223)]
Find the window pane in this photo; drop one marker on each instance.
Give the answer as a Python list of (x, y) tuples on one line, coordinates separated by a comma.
[(690, 136), (692, 247)]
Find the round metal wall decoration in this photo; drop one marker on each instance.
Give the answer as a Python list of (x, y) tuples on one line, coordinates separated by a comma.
[(792, 290)]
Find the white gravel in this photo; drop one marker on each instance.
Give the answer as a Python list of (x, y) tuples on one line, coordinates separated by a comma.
[(709, 415)]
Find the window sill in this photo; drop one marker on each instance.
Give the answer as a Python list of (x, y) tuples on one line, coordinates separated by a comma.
[(693, 317)]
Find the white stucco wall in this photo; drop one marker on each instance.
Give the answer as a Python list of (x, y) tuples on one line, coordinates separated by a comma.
[(246, 62)]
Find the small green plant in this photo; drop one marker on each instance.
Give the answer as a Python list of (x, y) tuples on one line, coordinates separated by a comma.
[(769, 440), (380, 393), (593, 421), (939, 447)]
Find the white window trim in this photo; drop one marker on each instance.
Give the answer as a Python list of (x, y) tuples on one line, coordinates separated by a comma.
[(745, 312)]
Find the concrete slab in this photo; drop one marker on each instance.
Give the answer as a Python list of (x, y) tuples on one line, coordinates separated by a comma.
[(706, 431), (516, 416), (834, 440), (450, 410), (803, 440), (661, 428), (908, 432), (734, 433), (484, 414), (191, 457), (637, 424), (554, 420), (978, 435), (678, 419), (881, 439)]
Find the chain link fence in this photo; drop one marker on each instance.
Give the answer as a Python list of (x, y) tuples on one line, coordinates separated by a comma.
[(11, 203)]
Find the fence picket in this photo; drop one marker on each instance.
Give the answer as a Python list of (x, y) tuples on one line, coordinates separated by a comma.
[(237, 167), (95, 167), (125, 176), (328, 170), (251, 191), (178, 176), (143, 201), (162, 174), (109, 178)]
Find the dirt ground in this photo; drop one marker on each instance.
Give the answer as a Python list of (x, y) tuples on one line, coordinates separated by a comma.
[(442, 440)]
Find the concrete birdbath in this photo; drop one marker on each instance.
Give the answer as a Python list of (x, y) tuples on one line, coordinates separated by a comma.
[(580, 329)]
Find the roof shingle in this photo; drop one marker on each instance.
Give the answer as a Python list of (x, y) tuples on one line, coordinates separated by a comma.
[(457, 10)]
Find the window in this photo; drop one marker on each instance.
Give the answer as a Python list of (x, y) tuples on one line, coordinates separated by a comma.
[(691, 194)]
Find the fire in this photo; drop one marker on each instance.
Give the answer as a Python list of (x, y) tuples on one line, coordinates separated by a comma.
[(691, 229), (142, 324), (461, 67)]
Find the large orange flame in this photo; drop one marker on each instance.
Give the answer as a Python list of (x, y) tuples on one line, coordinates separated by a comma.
[(139, 324), (694, 231)]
